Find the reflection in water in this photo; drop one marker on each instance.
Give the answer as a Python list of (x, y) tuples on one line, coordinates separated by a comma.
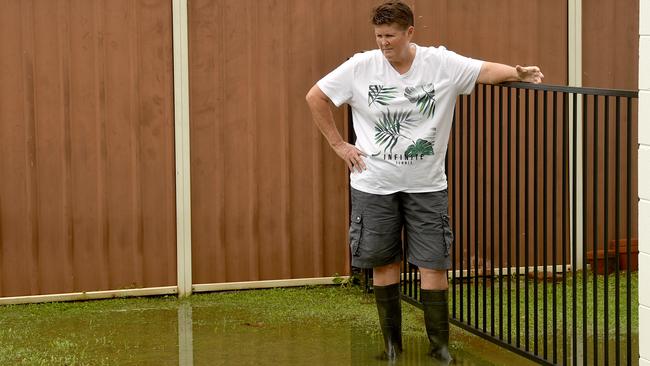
[(185, 344), (602, 343), (231, 338), (207, 335)]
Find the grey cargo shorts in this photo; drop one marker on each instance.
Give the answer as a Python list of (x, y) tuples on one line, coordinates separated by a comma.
[(376, 227)]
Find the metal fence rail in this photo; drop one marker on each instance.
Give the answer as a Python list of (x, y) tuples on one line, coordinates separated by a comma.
[(542, 188)]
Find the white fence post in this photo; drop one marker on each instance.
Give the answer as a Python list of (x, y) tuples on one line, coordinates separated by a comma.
[(182, 144), (644, 182), (575, 165)]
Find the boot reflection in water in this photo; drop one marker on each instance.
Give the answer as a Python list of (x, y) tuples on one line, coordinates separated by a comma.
[(390, 319)]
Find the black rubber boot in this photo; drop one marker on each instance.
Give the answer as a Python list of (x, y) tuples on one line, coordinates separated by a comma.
[(390, 319), (436, 320)]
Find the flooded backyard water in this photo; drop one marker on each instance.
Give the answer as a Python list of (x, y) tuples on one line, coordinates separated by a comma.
[(225, 341), (211, 334), (299, 326)]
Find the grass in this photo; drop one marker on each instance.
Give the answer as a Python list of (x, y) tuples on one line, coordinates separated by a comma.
[(500, 290), (500, 315)]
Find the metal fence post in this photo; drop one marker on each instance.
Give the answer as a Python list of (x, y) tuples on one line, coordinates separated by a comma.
[(575, 169)]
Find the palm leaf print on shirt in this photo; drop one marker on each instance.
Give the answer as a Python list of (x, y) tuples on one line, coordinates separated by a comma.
[(424, 97), (420, 147), (380, 94), (389, 128)]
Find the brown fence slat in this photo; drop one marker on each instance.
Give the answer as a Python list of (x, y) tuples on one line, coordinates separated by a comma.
[(87, 195)]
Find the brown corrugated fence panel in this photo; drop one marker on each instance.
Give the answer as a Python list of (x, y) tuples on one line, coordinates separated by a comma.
[(86, 146), (269, 198), (510, 31), (268, 195), (610, 44), (86, 132)]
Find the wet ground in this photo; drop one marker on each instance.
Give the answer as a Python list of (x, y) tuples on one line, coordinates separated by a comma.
[(216, 331), (227, 342)]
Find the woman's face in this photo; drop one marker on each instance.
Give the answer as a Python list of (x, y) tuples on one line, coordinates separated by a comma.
[(393, 41)]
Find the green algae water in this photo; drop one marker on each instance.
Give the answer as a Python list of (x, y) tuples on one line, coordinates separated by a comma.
[(303, 326)]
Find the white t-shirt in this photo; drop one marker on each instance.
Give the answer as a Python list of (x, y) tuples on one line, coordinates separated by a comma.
[(402, 121)]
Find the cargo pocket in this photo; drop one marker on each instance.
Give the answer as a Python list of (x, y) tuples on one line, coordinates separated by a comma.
[(356, 227), (448, 235)]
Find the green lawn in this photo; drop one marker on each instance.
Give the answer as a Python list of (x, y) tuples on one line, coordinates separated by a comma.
[(504, 299), (503, 303)]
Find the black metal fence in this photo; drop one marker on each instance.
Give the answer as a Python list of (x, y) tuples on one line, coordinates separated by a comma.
[(543, 202), (542, 187)]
